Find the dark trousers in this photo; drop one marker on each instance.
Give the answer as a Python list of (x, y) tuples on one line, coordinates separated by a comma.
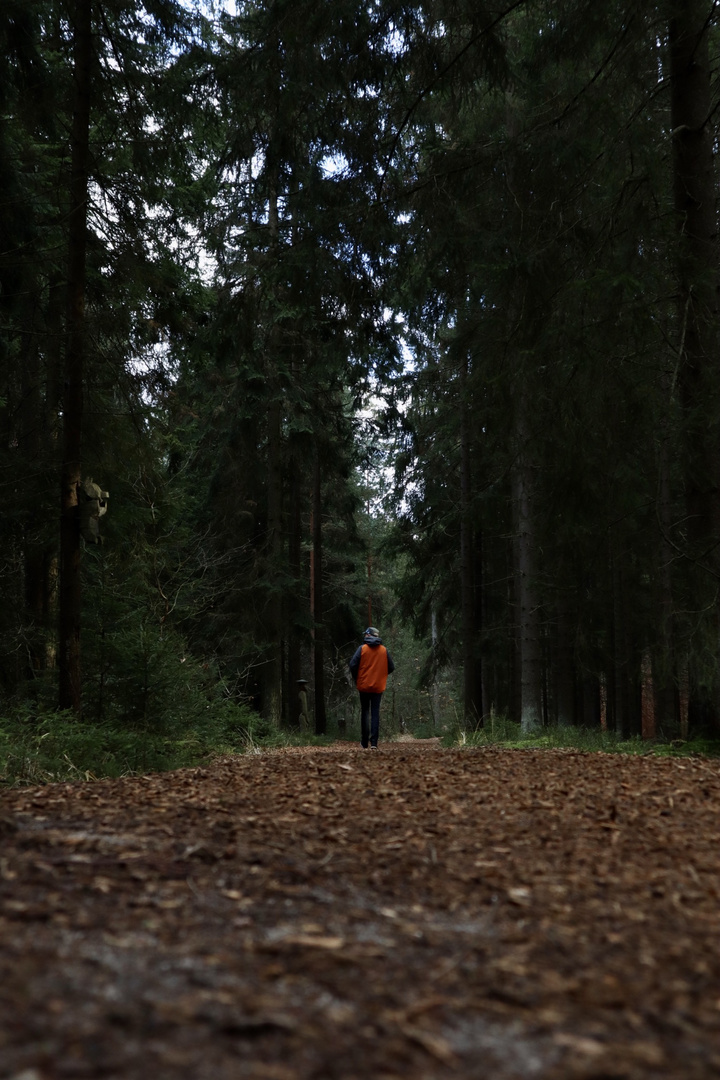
[(369, 717)]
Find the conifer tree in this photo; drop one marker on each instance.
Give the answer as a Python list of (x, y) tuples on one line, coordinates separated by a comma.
[(92, 270), (547, 174), (300, 306)]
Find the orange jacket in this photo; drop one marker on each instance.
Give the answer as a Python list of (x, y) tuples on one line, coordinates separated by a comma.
[(373, 669)]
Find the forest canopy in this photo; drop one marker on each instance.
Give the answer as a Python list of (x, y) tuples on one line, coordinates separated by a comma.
[(315, 315)]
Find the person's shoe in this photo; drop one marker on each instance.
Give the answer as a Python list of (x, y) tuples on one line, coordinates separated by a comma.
[(373, 747)]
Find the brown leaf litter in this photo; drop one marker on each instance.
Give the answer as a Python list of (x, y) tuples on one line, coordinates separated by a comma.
[(335, 913)]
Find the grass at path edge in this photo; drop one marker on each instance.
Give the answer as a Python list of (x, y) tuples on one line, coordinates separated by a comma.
[(55, 747)]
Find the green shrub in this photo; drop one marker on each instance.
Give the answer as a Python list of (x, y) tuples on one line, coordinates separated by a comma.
[(40, 747)]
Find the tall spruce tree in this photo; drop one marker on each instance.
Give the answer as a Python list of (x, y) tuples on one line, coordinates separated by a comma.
[(96, 273), (544, 181), (300, 307)]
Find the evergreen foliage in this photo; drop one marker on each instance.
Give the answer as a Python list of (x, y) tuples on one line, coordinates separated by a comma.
[(471, 245)]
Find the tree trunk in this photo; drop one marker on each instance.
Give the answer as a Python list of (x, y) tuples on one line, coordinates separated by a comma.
[(38, 442), (472, 703), (70, 600), (34, 562), (478, 615), (648, 721), (530, 648), (622, 682), (566, 679), (317, 604), (435, 698), (526, 313), (272, 661), (664, 667), (514, 666), (694, 185), (272, 667), (592, 702), (294, 672)]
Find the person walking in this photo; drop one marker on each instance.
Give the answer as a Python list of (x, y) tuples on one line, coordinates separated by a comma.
[(370, 666)]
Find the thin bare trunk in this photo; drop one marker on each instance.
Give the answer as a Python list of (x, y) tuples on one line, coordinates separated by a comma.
[(663, 659), (648, 721), (435, 638), (272, 665), (272, 668), (31, 414), (472, 704), (531, 710), (592, 702), (525, 315), (318, 603), (478, 615), (565, 665), (292, 705), (694, 183), (70, 603), (622, 661)]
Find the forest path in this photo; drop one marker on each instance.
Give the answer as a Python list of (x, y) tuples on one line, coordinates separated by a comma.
[(340, 913)]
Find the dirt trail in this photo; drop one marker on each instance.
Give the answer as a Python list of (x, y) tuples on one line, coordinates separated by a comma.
[(339, 913)]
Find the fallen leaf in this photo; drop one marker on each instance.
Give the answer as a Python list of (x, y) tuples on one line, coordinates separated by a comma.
[(520, 896), (313, 941), (580, 1044)]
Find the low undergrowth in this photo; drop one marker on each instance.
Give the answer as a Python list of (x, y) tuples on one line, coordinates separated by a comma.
[(499, 731), (39, 747), (47, 747)]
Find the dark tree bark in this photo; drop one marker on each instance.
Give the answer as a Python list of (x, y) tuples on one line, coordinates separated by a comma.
[(41, 375), (528, 609), (272, 668), (480, 695), (472, 696), (29, 441), (566, 677), (591, 702), (272, 665), (294, 672), (663, 656), (625, 670), (525, 316), (318, 611), (513, 661), (70, 598), (694, 184)]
